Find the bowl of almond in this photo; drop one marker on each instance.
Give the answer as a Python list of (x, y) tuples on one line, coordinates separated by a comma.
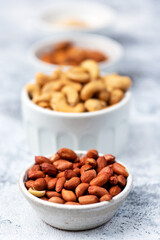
[(78, 108), (76, 190)]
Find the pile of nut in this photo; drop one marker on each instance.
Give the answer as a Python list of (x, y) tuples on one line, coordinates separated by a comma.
[(66, 53), (80, 89), (67, 178)]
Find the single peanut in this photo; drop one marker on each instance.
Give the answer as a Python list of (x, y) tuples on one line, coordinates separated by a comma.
[(62, 165), (60, 184), (108, 170), (87, 176), (115, 190), (96, 190), (106, 197), (53, 194), (120, 169), (109, 158), (39, 184), (69, 174), (81, 189), (101, 163), (66, 153), (36, 174), (48, 169), (85, 168), (51, 184), (68, 195), (56, 200), (92, 153), (72, 183), (41, 159), (29, 184), (100, 180), (113, 180), (88, 199), (121, 181)]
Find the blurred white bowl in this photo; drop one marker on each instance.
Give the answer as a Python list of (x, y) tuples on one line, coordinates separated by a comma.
[(95, 16), (71, 217), (107, 46), (47, 130)]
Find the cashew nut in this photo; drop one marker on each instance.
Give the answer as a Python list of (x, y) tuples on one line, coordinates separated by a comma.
[(115, 81), (36, 193), (91, 88), (78, 74), (33, 90), (42, 78), (92, 67), (71, 94), (43, 97), (59, 103), (94, 105), (116, 96), (103, 95)]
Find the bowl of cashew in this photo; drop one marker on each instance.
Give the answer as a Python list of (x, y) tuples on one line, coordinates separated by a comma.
[(78, 109)]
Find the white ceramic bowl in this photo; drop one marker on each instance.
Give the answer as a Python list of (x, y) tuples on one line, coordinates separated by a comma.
[(70, 217), (105, 45), (47, 131), (96, 16)]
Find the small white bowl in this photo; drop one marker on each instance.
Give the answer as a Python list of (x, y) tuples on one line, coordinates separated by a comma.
[(107, 46), (70, 217), (96, 16), (47, 130)]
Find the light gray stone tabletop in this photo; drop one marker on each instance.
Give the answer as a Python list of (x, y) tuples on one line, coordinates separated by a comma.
[(137, 29)]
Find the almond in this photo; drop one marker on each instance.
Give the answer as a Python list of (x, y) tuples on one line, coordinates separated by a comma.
[(101, 163), (48, 169), (106, 197), (115, 190), (51, 183), (53, 194), (81, 189), (120, 169), (62, 164), (41, 159), (69, 174), (121, 181), (68, 195), (60, 183), (66, 153), (100, 180), (39, 184), (96, 190), (88, 199), (92, 153), (87, 176), (72, 183), (56, 200)]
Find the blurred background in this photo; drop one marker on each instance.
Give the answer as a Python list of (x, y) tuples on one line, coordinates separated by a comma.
[(136, 27)]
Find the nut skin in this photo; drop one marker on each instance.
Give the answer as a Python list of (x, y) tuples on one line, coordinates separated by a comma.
[(41, 159), (108, 170), (49, 169), (51, 184), (113, 180), (109, 158), (29, 184), (97, 191), (56, 200), (81, 189), (92, 153), (66, 153), (62, 165), (120, 169), (88, 199), (60, 184), (53, 194), (87, 176), (72, 183), (68, 195), (69, 174), (39, 184), (121, 181), (101, 163), (106, 197), (100, 180), (115, 190), (36, 174)]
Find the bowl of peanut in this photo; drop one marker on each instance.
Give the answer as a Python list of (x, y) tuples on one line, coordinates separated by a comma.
[(76, 190), (77, 108), (70, 50)]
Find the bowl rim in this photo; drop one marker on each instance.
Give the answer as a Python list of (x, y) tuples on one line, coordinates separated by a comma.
[(26, 99), (106, 24), (116, 199), (38, 45)]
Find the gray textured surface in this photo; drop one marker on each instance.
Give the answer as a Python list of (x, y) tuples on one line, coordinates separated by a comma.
[(138, 30)]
